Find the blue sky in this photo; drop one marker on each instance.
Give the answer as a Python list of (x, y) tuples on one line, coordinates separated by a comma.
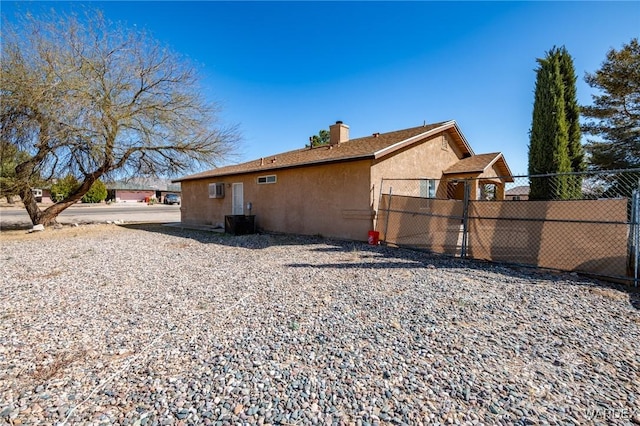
[(284, 70)]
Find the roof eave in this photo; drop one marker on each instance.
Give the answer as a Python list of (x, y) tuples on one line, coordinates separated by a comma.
[(283, 167), (445, 126), (506, 166), (507, 177), (463, 172), (462, 136)]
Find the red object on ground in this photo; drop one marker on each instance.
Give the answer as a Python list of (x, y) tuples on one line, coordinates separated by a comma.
[(374, 237)]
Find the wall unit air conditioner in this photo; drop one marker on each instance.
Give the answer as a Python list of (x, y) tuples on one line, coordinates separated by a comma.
[(216, 190)]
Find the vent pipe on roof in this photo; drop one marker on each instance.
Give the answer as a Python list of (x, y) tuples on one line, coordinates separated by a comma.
[(338, 133)]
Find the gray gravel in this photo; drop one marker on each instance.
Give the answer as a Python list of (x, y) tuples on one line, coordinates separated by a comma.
[(158, 326)]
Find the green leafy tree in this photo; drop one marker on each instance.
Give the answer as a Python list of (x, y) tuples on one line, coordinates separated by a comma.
[(10, 157), (322, 138), (549, 135), (90, 98), (96, 194), (61, 189), (614, 116)]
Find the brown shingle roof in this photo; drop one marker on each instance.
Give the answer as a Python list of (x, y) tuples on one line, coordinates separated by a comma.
[(479, 163), (374, 146), (518, 190)]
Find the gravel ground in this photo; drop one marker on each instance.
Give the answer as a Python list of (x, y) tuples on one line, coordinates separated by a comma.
[(146, 325)]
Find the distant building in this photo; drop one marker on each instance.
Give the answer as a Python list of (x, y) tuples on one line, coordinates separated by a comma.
[(520, 193), (42, 195), (138, 190)]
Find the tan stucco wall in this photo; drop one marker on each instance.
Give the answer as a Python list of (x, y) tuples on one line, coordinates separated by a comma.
[(332, 200), (423, 160), (491, 172)]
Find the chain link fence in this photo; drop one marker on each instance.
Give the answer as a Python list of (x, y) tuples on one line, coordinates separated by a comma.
[(584, 222)]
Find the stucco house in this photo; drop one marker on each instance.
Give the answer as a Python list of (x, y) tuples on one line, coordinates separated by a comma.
[(42, 195), (136, 191), (332, 190), (127, 192)]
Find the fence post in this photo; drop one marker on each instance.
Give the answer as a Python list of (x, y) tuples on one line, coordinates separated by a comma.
[(465, 218), (633, 249), (386, 224)]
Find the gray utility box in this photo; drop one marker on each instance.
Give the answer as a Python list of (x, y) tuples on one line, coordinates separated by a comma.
[(240, 224)]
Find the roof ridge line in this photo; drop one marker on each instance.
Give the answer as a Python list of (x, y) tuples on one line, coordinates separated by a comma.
[(443, 126)]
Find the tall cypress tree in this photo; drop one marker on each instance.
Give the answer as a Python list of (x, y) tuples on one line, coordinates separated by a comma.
[(549, 136), (572, 114)]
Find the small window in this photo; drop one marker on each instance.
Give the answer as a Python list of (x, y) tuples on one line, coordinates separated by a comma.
[(267, 179), (216, 190), (432, 188), (428, 188), (445, 143)]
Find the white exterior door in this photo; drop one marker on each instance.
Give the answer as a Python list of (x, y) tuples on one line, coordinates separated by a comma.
[(238, 199)]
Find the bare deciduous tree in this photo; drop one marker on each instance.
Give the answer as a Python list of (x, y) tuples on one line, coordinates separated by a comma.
[(87, 97)]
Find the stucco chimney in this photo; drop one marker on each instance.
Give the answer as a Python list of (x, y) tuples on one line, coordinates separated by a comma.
[(338, 133)]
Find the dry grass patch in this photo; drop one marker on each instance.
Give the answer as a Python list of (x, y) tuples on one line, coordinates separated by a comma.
[(47, 370), (177, 245), (52, 274)]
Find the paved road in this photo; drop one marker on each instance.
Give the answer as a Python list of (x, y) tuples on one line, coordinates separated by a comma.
[(138, 212)]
